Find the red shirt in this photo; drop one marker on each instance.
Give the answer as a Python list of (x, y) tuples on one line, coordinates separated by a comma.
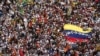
[(21, 52)]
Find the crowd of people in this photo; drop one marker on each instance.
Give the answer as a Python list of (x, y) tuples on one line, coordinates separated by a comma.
[(35, 27)]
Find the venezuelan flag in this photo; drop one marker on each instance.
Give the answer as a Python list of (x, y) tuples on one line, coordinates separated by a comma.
[(75, 33)]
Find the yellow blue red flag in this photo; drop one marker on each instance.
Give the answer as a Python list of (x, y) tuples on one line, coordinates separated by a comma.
[(75, 33)]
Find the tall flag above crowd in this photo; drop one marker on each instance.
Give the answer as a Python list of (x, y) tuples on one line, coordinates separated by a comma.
[(75, 33)]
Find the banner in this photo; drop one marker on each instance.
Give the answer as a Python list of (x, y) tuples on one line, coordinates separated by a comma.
[(75, 33)]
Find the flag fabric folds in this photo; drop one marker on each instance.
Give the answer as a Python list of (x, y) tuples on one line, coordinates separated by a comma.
[(75, 33), (74, 40), (76, 28)]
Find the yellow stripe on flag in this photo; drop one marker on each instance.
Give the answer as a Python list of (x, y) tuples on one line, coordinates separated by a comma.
[(76, 28)]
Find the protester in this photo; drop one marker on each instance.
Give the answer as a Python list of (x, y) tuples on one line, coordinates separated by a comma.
[(35, 27)]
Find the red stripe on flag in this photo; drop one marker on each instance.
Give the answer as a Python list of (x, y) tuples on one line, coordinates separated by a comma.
[(72, 39)]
